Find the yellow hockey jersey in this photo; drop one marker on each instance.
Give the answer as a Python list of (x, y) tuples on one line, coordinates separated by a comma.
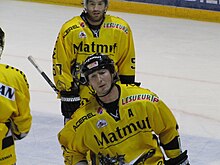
[(143, 119), (76, 42), (15, 117)]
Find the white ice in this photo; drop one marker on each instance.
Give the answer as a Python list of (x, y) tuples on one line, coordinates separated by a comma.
[(176, 58)]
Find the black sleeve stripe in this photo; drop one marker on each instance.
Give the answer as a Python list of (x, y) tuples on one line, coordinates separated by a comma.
[(7, 142), (174, 144)]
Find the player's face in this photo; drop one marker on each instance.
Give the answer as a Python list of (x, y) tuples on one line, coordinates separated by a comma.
[(96, 10), (101, 81)]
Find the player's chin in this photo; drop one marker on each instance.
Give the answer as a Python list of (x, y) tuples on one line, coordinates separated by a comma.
[(97, 18), (103, 89)]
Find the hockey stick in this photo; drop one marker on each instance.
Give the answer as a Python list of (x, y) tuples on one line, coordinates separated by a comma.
[(31, 59)]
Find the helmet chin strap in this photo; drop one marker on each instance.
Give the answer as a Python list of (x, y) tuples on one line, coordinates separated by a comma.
[(110, 89), (112, 85)]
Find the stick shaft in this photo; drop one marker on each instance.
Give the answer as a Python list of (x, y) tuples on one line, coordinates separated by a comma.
[(43, 74)]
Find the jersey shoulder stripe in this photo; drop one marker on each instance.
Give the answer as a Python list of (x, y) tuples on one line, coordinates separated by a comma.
[(13, 77)]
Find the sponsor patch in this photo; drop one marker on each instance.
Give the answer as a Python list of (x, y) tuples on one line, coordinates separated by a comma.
[(82, 35), (137, 97), (101, 123), (82, 120), (93, 65), (116, 26), (7, 92)]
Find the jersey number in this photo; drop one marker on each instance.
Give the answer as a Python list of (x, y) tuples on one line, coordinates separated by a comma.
[(133, 62), (57, 69)]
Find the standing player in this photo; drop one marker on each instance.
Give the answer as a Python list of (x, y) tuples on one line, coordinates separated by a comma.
[(92, 32), (121, 124), (15, 117)]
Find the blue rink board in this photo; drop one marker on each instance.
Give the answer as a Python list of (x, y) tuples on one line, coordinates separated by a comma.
[(197, 4)]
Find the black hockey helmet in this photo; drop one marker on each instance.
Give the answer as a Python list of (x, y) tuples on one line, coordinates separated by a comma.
[(96, 62), (2, 41)]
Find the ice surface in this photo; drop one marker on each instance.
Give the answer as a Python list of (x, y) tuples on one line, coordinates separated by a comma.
[(176, 58)]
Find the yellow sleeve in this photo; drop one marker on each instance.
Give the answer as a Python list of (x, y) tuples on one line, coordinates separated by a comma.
[(62, 60), (172, 137), (165, 126), (15, 102), (3, 132), (72, 153), (126, 63), (22, 118)]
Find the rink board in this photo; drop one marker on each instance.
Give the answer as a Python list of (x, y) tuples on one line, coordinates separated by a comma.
[(149, 9)]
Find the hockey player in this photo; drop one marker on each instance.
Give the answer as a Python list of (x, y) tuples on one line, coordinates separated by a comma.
[(121, 124), (91, 32), (15, 117)]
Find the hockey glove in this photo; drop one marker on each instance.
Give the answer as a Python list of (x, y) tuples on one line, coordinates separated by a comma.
[(70, 102), (182, 159)]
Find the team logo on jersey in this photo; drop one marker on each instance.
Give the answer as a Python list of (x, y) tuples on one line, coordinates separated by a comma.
[(101, 123), (82, 35), (106, 159), (7, 92)]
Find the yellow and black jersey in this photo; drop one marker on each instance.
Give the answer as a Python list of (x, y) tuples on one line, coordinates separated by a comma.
[(144, 120), (15, 115), (76, 41)]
